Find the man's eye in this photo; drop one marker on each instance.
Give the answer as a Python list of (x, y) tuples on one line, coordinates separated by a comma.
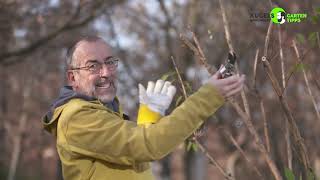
[(93, 66), (109, 62)]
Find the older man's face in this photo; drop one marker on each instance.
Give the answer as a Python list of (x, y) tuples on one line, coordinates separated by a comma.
[(102, 84)]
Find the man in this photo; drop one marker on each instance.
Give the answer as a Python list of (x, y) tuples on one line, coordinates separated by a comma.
[(94, 141), (281, 16)]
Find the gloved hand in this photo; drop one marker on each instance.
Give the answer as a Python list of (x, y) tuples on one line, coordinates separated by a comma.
[(154, 101)]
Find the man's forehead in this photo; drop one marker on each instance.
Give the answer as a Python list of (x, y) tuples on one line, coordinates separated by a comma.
[(91, 50)]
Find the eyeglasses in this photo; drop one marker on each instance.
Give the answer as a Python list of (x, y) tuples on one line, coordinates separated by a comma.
[(95, 66)]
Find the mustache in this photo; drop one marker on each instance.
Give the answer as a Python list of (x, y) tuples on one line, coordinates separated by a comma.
[(105, 80)]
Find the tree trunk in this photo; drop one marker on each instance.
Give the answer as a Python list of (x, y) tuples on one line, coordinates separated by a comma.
[(18, 137), (196, 165)]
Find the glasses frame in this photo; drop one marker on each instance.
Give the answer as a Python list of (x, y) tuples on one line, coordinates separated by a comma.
[(114, 64)]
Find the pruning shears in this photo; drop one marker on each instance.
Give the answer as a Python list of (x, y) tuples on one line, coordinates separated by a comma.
[(229, 68)]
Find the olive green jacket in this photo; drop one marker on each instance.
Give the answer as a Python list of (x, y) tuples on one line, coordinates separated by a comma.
[(96, 143)]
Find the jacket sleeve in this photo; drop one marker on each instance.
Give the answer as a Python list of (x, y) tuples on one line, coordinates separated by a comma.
[(100, 134)]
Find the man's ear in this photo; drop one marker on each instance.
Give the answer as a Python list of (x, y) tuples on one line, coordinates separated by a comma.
[(70, 78)]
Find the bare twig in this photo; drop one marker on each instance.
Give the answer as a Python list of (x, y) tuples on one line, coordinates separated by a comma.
[(199, 54), (318, 39), (275, 83), (244, 115), (288, 143), (306, 80), (180, 79), (255, 69), (287, 131), (168, 25), (247, 119), (196, 41), (245, 103), (261, 102), (202, 148), (231, 162), (231, 49), (226, 175), (235, 143), (294, 70), (316, 82), (258, 141), (266, 42), (298, 140), (226, 26), (283, 74), (265, 125)]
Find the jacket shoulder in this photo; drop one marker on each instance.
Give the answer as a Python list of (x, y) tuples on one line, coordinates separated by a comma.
[(80, 103), (75, 105)]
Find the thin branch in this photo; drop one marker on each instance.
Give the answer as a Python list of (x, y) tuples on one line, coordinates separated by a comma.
[(226, 175), (245, 103), (265, 125), (199, 54), (202, 148), (226, 26), (180, 79), (267, 38), (261, 103), (255, 69), (287, 131), (231, 162), (316, 82), (298, 140), (306, 80), (281, 58), (288, 143), (235, 143), (294, 70), (245, 115), (196, 41), (275, 84), (231, 49), (201, 57), (165, 11), (318, 39), (258, 141), (167, 25), (247, 119)]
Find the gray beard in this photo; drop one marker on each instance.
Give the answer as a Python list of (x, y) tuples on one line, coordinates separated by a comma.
[(105, 98)]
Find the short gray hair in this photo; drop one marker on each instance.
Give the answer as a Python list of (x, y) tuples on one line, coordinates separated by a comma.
[(69, 60)]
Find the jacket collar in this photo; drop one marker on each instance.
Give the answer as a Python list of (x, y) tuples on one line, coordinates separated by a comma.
[(67, 93)]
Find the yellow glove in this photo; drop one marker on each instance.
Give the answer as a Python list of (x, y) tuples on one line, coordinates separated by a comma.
[(154, 101)]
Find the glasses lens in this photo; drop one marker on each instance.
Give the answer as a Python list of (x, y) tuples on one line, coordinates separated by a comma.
[(112, 62), (94, 67)]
